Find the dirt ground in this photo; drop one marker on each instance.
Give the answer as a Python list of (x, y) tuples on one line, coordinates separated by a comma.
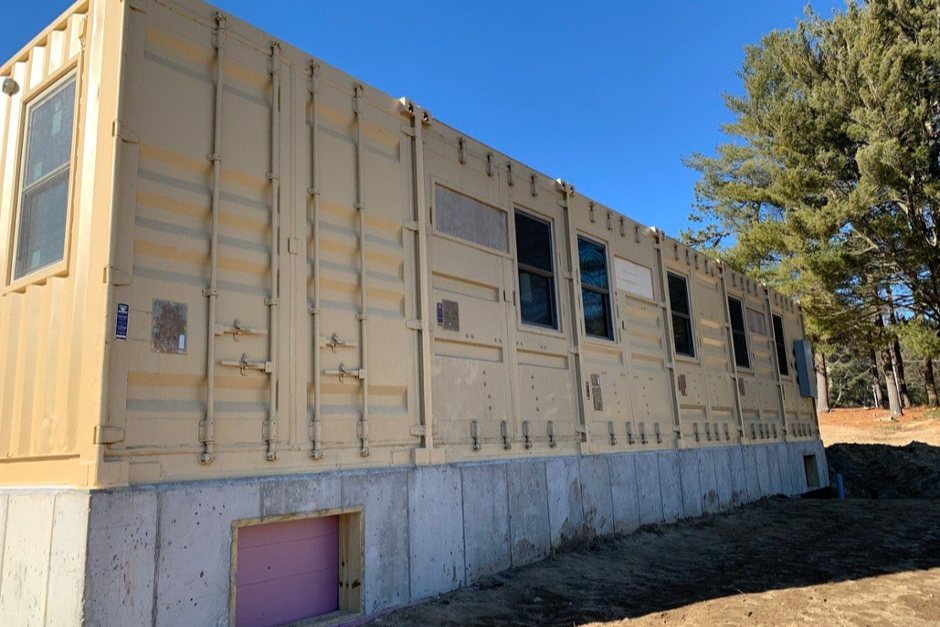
[(875, 426), (861, 561)]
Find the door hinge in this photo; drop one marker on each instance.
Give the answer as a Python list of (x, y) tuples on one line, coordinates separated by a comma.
[(108, 434), (123, 133), (113, 276)]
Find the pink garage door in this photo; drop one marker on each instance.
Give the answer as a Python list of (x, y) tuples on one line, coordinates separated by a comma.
[(287, 571)]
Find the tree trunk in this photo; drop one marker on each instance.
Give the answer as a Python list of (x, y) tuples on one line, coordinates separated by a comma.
[(899, 369), (887, 367), (877, 390), (822, 384), (931, 384)]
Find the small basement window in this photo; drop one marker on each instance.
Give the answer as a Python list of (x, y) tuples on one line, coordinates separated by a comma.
[(44, 194), (781, 345), (536, 267), (681, 315), (738, 334), (595, 289)]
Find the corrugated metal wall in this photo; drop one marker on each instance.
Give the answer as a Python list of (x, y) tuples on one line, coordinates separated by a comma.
[(51, 320), (320, 276)]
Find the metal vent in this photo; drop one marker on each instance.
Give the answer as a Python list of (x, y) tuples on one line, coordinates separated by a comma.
[(471, 220)]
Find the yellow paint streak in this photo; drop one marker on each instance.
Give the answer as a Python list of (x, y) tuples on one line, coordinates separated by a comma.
[(177, 160), (152, 249), (168, 41)]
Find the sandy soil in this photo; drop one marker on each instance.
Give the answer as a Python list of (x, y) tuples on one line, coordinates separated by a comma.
[(776, 562), (875, 426)]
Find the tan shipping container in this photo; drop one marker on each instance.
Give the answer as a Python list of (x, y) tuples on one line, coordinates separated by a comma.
[(254, 290)]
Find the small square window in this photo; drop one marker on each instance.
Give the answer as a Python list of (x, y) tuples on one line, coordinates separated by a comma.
[(44, 196)]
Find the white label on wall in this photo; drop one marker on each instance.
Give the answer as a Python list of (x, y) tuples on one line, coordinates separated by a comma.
[(634, 278)]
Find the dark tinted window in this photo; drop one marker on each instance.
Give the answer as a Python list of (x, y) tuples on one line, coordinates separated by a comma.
[(738, 334), (681, 316), (781, 345), (536, 271), (595, 293)]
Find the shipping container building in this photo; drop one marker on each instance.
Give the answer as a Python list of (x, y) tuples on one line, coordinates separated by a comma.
[(276, 345)]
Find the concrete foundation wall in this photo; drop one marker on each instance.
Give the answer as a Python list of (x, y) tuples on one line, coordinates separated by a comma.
[(162, 554), (43, 556)]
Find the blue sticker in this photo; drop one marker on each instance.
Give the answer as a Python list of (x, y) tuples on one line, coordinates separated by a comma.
[(120, 329), (440, 314)]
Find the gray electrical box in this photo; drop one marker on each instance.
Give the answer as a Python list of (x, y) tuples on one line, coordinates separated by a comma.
[(805, 370)]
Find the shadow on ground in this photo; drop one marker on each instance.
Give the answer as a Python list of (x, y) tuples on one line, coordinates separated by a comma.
[(774, 544)]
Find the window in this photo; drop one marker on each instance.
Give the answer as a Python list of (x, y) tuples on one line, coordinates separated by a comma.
[(471, 220), (781, 345), (536, 271), (681, 315), (738, 334), (595, 290), (43, 201)]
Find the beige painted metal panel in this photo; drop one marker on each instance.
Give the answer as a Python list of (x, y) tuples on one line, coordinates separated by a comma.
[(52, 321), (281, 236)]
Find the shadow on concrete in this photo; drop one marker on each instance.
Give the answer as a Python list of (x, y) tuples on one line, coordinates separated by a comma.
[(774, 544)]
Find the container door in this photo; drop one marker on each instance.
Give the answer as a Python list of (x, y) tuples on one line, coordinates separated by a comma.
[(470, 296)]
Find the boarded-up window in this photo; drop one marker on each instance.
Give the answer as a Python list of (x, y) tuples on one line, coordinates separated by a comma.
[(469, 219), (634, 278), (756, 322)]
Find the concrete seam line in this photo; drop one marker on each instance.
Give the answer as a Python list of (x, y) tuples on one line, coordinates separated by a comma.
[(156, 557)]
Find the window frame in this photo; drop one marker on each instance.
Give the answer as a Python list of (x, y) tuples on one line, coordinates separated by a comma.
[(743, 332), (606, 294), (783, 367), (553, 275), (688, 297), (34, 97)]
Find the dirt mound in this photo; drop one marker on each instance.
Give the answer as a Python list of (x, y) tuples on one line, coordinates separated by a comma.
[(886, 472)]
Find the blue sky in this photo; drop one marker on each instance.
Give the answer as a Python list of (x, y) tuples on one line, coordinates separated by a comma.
[(608, 95)]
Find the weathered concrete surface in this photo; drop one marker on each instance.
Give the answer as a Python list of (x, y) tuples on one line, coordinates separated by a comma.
[(626, 508), (722, 459), (427, 529), (739, 491), (649, 492), (26, 558), (763, 470), (119, 575), (528, 511), (708, 480), (194, 552), (67, 559), (773, 463), (596, 497), (565, 511), (387, 556), (689, 482), (751, 473), (670, 490), (485, 520), (307, 494), (435, 530), (43, 533)]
